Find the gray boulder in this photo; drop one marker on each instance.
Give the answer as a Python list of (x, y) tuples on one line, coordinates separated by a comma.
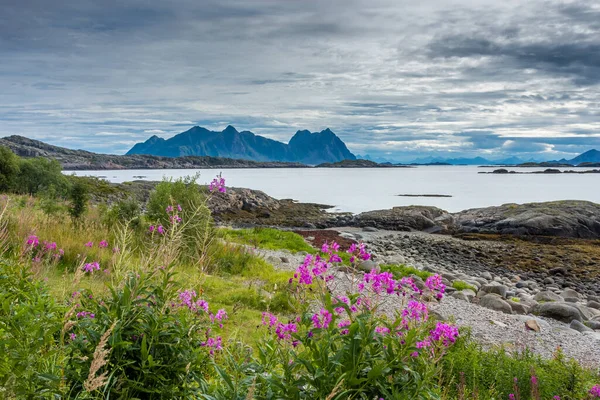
[(570, 293), (411, 218), (593, 304), (593, 324), (461, 296), (495, 288), (579, 327), (518, 308), (547, 296), (495, 302), (564, 312)]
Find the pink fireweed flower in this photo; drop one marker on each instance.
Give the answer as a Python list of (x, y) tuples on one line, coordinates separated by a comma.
[(160, 230), (269, 319), (556, 398), (175, 219), (152, 228), (91, 267), (284, 331), (50, 246), (380, 282), (220, 316), (85, 314), (415, 311), (511, 397), (322, 319), (33, 241), (382, 330), (343, 325), (595, 391), (179, 208), (89, 244), (72, 336), (213, 344), (103, 244), (217, 184), (169, 209), (447, 334), (434, 283)]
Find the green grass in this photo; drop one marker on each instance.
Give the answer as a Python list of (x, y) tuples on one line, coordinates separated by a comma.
[(490, 373), (462, 285), (267, 238), (400, 271)]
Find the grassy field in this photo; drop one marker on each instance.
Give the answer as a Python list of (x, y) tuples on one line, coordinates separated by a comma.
[(40, 291)]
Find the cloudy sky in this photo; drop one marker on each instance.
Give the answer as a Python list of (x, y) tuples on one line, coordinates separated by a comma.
[(393, 78)]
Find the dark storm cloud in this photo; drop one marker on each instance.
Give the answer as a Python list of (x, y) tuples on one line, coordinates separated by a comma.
[(393, 78)]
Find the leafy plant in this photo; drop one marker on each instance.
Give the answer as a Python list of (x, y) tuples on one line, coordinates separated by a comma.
[(462, 285), (78, 200)]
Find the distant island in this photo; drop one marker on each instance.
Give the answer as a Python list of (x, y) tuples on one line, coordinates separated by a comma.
[(546, 171), (304, 147)]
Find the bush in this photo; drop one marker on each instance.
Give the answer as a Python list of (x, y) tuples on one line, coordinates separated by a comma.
[(183, 200), (30, 327), (37, 174), (9, 168), (125, 211), (78, 200), (461, 285), (400, 271), (145, 340)]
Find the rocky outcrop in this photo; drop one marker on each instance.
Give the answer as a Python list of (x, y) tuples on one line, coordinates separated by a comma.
[(576, 219), (572, 219), (411, 218)]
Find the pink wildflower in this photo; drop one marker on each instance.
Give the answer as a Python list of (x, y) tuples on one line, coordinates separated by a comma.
[(33, 241), (322, 319), (89, 244), (218, 184), (103, 244)]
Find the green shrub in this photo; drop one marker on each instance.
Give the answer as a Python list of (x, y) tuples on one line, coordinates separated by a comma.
[(30, 327), (37, 174), (78, 198), (124, 211), (401, 271), (462, 285), (9, 168), (183, 198), (157, 347)]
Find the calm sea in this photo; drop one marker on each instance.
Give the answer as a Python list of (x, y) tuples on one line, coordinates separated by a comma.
[(358, 190)]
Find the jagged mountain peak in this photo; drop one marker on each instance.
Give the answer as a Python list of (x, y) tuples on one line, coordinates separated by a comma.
[(304, 146)]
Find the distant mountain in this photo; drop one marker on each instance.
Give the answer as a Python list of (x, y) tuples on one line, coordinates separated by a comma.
[(591, 156), (304, 147)]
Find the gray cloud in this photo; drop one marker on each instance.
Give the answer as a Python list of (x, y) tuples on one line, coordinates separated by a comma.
[(392, 78)]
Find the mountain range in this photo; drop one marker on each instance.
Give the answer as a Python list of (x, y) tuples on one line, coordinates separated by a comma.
[(304, 147)]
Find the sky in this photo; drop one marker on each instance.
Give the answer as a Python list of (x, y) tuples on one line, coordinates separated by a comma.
[(396, 79)]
